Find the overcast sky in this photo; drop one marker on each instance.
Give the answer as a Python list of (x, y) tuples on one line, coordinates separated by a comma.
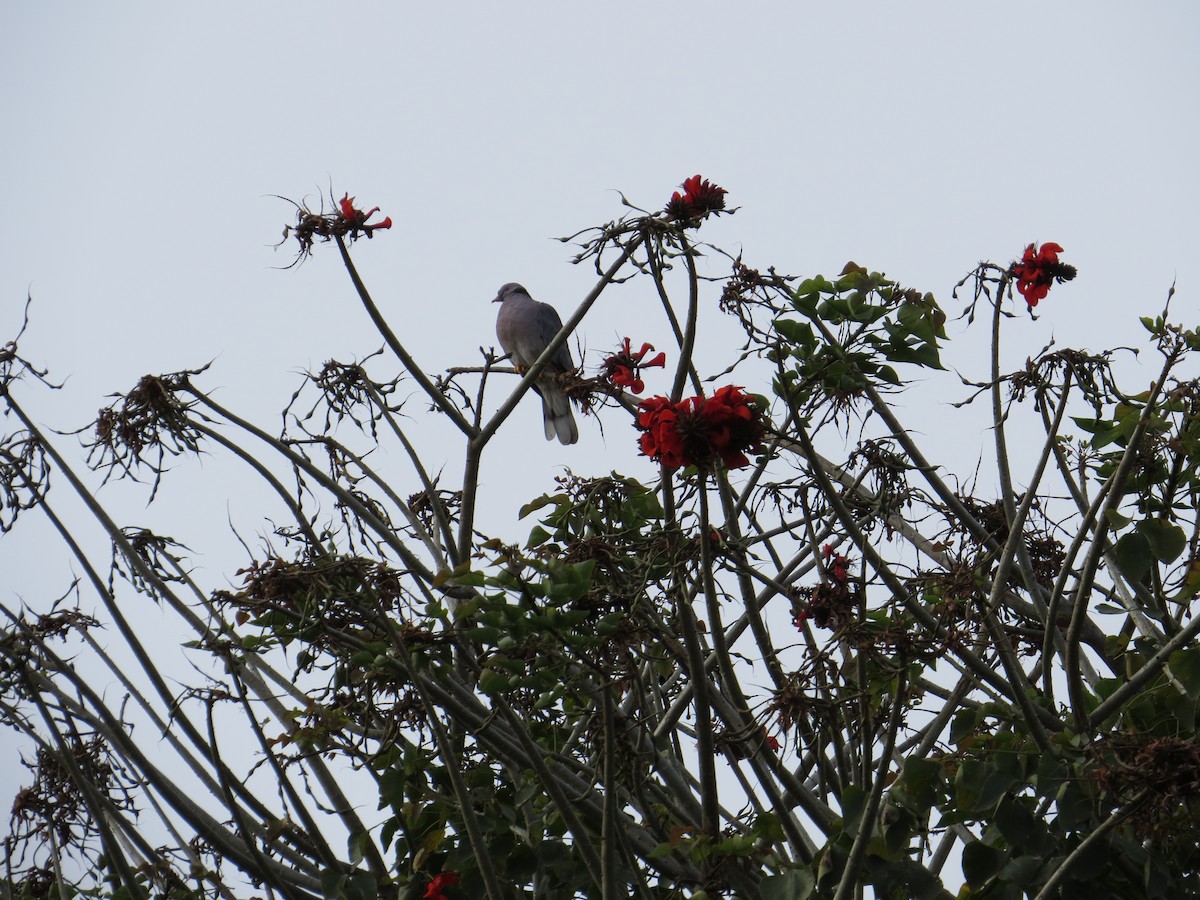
[(142, 144)]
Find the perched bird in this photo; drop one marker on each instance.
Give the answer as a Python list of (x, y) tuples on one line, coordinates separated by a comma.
[(525, 328)]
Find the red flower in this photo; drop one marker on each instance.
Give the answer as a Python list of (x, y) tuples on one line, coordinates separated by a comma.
[(1038, 269), (355, 220), (700, 430), (621, 368), (699, 196), (433, 890), (773, 743), (837, 565), (733, 425), (343, 221), (832, 603), (659, 418)]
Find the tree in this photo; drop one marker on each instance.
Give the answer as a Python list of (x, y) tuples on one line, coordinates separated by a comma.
[(806, 659)]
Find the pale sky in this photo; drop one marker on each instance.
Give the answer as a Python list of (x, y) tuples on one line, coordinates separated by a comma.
[(143, 141)]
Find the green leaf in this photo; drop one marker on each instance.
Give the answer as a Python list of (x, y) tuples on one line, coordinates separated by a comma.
[(1073, 804), (854, 801), (888, 374), (921, 778), (814, 285), (1185, 666), (1015, 822), (1191, 584), (359, 885), (570, 582), (537, 536), (798, 884), (738, 845), (981, 786), (980, 862), (768, 828), (535, 505), (492, 682), (834, 310), (1133, 555), (1103, 431), (1116, 520), (1182, 710), (469, 579), (852, 281), (795, 332), (388, 831), (391, 788), (1022, 869), (1167, 540), (964, 724), (331, 883)]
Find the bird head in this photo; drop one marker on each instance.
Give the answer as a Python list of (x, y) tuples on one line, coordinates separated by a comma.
[(509, 290)]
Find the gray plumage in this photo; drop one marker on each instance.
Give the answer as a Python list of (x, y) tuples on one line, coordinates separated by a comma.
[(525, 328)]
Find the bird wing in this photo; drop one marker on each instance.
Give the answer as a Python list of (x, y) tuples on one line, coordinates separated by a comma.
[(526, 327), (549, 324)]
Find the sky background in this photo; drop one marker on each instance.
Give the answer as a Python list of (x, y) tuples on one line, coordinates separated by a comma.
[(143, 144)]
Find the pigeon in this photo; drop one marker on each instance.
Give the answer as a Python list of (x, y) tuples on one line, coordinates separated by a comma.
[(525, 328)]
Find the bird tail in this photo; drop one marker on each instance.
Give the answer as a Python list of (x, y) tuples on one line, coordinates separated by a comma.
[(559, 420)]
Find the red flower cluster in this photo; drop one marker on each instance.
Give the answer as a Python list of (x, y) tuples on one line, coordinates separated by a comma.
[(622, 368), (699, 196), (831, 604), (700, 430), (837, 564), (1038, 269), (355, 220), (433, 891)]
